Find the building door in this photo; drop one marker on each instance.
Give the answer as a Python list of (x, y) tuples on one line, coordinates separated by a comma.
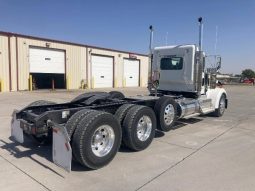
[(131, 73), (102, 71), (47, 68)]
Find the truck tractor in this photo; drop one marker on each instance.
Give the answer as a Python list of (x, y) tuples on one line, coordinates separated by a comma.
[(91, 128)]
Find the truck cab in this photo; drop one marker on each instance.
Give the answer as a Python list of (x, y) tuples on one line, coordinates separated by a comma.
[(181, 71), (177, 66)]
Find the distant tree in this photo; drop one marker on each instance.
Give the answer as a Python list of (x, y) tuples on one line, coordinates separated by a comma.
[(248, 73)]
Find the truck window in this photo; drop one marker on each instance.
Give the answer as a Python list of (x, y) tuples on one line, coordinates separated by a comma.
[(171, 63)]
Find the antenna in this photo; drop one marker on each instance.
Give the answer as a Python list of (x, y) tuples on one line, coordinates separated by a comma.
[(216, 40), (166, 38), (215, 45)]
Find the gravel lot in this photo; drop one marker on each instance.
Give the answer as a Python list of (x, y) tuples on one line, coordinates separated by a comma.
[(203, 153)]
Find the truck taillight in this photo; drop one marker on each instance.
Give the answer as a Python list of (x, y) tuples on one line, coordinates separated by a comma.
[(33, 130)]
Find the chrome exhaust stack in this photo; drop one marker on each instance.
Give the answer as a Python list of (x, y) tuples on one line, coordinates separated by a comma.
[(199, 63), (200, 20)]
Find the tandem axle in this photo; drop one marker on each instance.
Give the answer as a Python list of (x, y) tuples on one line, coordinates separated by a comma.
[(131, 121)]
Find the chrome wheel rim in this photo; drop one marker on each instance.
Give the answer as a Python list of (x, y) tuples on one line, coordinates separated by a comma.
[(144, 127), (169, 114), (102, 140), (222, 105)]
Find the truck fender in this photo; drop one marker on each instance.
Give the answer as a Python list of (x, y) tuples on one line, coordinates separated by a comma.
[(215, 95)]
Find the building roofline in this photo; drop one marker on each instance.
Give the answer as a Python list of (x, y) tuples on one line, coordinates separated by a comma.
[(66, 42)]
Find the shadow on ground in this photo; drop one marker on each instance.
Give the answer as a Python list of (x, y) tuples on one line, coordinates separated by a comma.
[(32, 148), (45, 151), (178, 124)]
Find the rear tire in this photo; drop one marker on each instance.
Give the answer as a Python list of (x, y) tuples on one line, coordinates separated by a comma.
[(120, 114), (96, 139), (139, 127), (74, 120), (122, 111), (116, 95), (166, 111)]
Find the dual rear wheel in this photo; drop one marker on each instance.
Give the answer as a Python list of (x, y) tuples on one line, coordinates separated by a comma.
[(96, 135), (138, 125)]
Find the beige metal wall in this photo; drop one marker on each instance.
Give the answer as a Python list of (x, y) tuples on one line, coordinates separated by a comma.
[(119, 66), (76, 62), (13, 63), (4, 63)]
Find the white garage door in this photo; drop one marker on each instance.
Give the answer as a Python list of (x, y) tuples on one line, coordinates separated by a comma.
[(131, 73), (46, 61), (102, 71)]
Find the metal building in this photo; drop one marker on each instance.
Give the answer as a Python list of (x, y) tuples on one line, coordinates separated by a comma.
[(28, 62)]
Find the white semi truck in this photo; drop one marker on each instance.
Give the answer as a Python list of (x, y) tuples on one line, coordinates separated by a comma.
[(90, 128)]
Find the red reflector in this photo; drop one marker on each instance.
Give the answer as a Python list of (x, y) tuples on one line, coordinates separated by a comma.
[(33, 130), (55, 130), (67, 146)]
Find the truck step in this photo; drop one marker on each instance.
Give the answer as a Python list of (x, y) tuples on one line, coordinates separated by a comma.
[(192, 115), (207, 110), (205, 105)]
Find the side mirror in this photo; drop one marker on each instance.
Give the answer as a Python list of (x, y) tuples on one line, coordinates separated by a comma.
[(218, 63)]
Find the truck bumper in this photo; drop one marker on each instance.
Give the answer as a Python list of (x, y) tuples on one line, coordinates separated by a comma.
[(61, 148)]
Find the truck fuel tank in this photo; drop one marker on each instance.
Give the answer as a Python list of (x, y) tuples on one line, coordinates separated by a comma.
[(188, 107)]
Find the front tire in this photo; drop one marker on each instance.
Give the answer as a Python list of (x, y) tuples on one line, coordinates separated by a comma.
[(96, 139), (221, 108)]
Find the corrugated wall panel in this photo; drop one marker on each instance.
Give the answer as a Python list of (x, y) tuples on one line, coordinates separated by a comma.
[(75, 61), (119, 66), (76, 66), (13, 64), (144, 70), (4, 63)]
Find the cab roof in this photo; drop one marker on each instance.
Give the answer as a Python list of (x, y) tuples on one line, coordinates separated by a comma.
[(175, 46)]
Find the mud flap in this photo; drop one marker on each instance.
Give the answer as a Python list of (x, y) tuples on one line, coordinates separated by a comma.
[(61, 148), (16, 131)]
